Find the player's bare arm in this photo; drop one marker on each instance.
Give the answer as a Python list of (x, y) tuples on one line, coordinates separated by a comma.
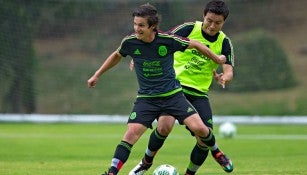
[(110, 62), (227, 72), (224, 77), (219, 59)]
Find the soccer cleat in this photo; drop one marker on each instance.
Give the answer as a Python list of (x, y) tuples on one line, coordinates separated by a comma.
[(224, 161), (106, 173), (140, 168), (188, 172)]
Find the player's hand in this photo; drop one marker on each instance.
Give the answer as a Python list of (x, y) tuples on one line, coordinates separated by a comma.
[(222, 59), (131, 65), (219, 78), (91, 83)]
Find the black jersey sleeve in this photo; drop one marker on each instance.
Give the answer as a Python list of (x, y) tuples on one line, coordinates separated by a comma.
[(227, 50), (183, 30), (123, 48)]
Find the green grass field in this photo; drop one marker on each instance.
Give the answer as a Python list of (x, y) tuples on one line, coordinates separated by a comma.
[(87, 149)]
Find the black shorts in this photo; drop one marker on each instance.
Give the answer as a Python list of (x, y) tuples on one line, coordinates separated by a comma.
[(146, 109), (202, 105)]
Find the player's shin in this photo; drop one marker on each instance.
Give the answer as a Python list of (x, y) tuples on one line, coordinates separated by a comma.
[(121, 155), (197, 158), (210, 142), (156, 141)]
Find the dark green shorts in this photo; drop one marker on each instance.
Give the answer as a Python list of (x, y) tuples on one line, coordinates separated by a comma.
[(203, 108), (146, 110)]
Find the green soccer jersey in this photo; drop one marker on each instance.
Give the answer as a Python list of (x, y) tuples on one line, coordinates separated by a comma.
[(193, 69), (153, 63)]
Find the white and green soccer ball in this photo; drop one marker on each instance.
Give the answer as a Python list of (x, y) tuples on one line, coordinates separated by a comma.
[(165, 169), (227, 130)]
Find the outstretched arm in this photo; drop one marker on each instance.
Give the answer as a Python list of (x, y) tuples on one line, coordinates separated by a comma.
[(110, 62), (219, 59), (224, 77)]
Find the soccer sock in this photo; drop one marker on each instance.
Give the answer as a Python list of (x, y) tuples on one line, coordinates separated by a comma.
[(188, 172), (210, 142), (156, 141), (197, 158), (121, 155)]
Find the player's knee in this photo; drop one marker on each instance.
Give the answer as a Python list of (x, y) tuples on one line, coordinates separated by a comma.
[(133, 133), (165, 125), (131, 138), (201, 131), (164, 130)]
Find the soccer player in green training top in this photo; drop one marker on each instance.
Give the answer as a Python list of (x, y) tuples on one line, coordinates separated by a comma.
[(195, 73), (159, 91)]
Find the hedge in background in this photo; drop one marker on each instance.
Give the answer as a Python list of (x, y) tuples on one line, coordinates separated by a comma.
[(260, 63)]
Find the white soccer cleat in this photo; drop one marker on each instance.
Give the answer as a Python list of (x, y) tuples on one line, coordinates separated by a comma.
[(140, 168)]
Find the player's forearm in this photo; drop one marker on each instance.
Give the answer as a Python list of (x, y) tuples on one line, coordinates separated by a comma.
[(110, 62), (227, 72), (207, 52)]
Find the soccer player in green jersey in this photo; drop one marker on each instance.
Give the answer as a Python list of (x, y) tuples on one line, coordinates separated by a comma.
[(159, 91), (195, 73)]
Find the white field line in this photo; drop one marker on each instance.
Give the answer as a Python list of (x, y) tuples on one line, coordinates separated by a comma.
[(271, 137), (171, 136), (67, 118)]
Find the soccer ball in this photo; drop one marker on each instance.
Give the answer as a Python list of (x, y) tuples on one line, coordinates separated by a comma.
[(165, 169), (227, 130)]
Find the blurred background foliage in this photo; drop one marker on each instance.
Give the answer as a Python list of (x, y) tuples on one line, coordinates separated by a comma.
[(48, 50)]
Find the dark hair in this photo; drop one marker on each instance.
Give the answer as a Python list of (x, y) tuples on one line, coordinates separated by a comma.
[(150, 12), (218, 7)]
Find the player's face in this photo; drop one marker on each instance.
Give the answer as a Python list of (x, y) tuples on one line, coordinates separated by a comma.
[(213, 23), (142, 30)]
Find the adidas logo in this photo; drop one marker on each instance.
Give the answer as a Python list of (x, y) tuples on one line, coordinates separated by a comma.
[(210, 121), (137, 52), (190, 110)]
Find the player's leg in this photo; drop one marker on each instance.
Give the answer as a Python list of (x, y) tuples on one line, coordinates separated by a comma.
[(139, 120), (158, 136), (123, 149), (198, 156), (175, 105), (156, 141), (200, 151), (207, 137), (165, 124)]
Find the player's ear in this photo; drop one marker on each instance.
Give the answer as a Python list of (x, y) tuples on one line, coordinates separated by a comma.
[(154, 27)]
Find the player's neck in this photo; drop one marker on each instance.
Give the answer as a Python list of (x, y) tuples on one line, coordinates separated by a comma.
[(150, 37)]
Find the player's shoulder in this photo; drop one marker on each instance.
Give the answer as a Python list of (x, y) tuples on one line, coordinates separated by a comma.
[(163, 34), (183, 26), (224, 37), (188, 23), (226, 40), (172, 36), (130, 36)]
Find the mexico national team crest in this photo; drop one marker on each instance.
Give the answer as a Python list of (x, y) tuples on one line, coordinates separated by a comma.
[(162, 51)]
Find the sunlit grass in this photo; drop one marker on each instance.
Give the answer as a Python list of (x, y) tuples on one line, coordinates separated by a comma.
[(43, 149)]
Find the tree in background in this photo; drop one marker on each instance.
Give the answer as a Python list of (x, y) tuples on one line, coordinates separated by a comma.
[(17, 58), (262, 63), (89, 28)]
